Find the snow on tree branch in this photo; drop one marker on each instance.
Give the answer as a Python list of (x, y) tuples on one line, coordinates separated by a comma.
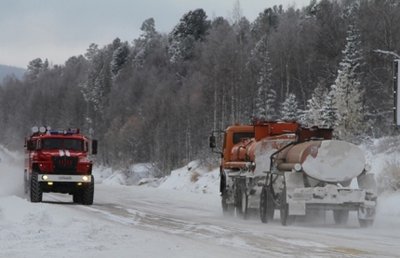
[(385, 52)]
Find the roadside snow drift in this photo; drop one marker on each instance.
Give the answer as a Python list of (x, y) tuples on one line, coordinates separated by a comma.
[(193, 178), (11, 173)]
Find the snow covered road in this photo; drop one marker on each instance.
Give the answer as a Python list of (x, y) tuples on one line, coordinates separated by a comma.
[(149, 222), (140, 221), (198, 217)]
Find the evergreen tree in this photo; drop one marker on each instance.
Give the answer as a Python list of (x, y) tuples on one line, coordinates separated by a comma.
[(267, 21), (97, 87), (289, 108), (328, 112), (35, 67), (91, 52), (119, 58), (93, 88), (146, 43), (191, 28), (348, 93), (266, 95), (313, 113)]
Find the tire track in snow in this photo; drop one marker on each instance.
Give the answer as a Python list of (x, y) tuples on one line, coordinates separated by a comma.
[(260, 244)]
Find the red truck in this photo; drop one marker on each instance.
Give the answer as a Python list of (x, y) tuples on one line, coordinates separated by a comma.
[(57, 161)]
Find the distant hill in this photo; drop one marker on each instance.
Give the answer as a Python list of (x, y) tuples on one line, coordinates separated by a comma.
[(10, 70)]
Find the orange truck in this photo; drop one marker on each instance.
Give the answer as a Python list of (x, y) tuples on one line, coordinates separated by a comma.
[(284, 166), (58, 161)]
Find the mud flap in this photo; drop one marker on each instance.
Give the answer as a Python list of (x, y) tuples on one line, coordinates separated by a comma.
[(366, 212), (294, 180), (367, 182)]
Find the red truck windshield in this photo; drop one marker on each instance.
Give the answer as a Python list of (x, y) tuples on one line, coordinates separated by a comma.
[(66, 144)]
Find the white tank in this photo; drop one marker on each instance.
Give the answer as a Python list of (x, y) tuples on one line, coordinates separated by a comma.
[(329, 160)]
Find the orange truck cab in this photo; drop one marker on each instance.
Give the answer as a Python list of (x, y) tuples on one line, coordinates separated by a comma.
[(234, 135)]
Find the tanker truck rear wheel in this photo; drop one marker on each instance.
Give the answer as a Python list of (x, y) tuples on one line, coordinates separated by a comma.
[(341, 217), (227, 208), (244, 204), (366, 217), (266, 206), (240, 199), (284, 212), (286, 219)]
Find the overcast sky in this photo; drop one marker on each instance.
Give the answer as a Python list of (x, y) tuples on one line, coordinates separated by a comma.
[(59, 29)]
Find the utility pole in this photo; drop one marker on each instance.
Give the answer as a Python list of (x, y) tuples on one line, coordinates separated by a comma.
[(396, 83), (396, 90)]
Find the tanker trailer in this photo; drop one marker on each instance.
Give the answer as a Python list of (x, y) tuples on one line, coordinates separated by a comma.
[(315, 173)]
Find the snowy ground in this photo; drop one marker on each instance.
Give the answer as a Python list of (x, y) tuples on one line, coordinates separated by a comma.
[(179, 218)]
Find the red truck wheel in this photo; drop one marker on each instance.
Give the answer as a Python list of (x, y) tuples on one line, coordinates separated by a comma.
[(35, 189), (77, 197), (88, 193)]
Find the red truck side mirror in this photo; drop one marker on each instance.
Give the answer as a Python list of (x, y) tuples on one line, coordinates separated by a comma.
[(212, 142), (94, 147), (30, 146)]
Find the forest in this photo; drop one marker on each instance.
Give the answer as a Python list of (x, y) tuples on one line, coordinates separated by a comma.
[(157, 98)]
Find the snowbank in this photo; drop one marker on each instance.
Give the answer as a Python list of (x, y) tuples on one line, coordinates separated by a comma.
[(130, 176), (193, 178), (11, 173)]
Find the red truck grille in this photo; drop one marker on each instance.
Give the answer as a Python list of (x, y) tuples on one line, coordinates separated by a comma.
[(65, 164)]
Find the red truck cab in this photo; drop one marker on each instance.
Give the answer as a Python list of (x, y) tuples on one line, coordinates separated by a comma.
[(58, 161)]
